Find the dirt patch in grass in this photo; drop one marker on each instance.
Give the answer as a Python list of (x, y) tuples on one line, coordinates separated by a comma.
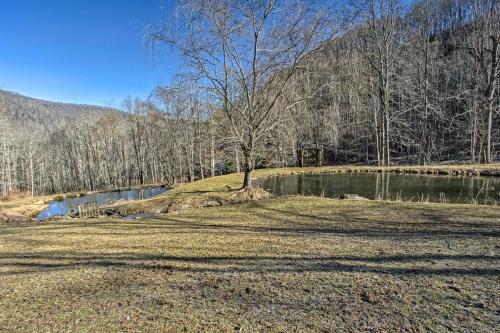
[(283, 264)]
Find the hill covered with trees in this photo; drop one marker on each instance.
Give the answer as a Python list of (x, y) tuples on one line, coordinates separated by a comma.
[(16, 108)]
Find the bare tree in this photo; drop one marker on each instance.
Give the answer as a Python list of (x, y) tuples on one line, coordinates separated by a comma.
[(246, 52), (380, 43), (483, 44)]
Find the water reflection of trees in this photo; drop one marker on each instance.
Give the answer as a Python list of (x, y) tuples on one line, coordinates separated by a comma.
[(396, 187), (382, 183), (475, 190)]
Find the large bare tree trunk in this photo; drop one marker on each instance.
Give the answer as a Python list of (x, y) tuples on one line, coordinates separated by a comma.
[(247, 180)]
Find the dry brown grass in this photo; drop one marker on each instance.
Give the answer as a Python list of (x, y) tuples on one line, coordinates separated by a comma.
[(283, 264), (23, 208), (14, 195), (216, 191)]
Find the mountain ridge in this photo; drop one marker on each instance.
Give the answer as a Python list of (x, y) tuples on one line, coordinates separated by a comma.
[(17, 109)]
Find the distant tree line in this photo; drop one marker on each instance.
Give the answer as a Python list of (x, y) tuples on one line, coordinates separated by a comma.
[(281, 83)]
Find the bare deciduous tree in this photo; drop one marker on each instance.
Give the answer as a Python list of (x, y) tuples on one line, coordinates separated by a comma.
[(246, 52)]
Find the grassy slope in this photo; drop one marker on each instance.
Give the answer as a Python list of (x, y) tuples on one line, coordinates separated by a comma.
[(24, 207), (282, 264), (279, 264)]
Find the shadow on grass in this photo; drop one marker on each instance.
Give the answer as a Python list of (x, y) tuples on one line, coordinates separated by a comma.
[(282, 223), (267, 221), (472, 265)]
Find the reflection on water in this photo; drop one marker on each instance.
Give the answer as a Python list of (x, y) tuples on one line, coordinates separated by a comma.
[(70, 205), (386, 186)]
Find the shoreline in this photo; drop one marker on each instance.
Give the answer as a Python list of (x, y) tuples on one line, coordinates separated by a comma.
[(224, 190), (218, 190), (24, 210)]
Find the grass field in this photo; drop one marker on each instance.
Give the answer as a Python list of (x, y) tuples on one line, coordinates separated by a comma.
[(283, 264), (241, 264)]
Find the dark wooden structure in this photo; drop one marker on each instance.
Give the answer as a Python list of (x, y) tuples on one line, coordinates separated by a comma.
[(318, 156)]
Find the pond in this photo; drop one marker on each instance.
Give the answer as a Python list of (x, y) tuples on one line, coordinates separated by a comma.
[(386, 186), (69, 205)]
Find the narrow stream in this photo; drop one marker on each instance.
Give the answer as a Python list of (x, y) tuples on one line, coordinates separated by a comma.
[(70, 205)]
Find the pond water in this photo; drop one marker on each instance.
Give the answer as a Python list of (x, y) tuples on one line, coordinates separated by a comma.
[(454, 189), (69, 205)]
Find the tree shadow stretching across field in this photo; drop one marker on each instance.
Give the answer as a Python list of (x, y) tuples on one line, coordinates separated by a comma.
[(393, 265), (341, 222), (362, 227), (284, 225), (359, 229), (268, 222)]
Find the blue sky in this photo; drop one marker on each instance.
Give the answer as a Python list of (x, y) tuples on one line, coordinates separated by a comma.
[(81, 51)]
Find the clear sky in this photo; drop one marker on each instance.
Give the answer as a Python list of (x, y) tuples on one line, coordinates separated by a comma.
[(81, 51)]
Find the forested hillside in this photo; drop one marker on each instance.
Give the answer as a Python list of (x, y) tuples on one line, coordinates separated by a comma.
[(395, 84), (28, 128), (17, 108)]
